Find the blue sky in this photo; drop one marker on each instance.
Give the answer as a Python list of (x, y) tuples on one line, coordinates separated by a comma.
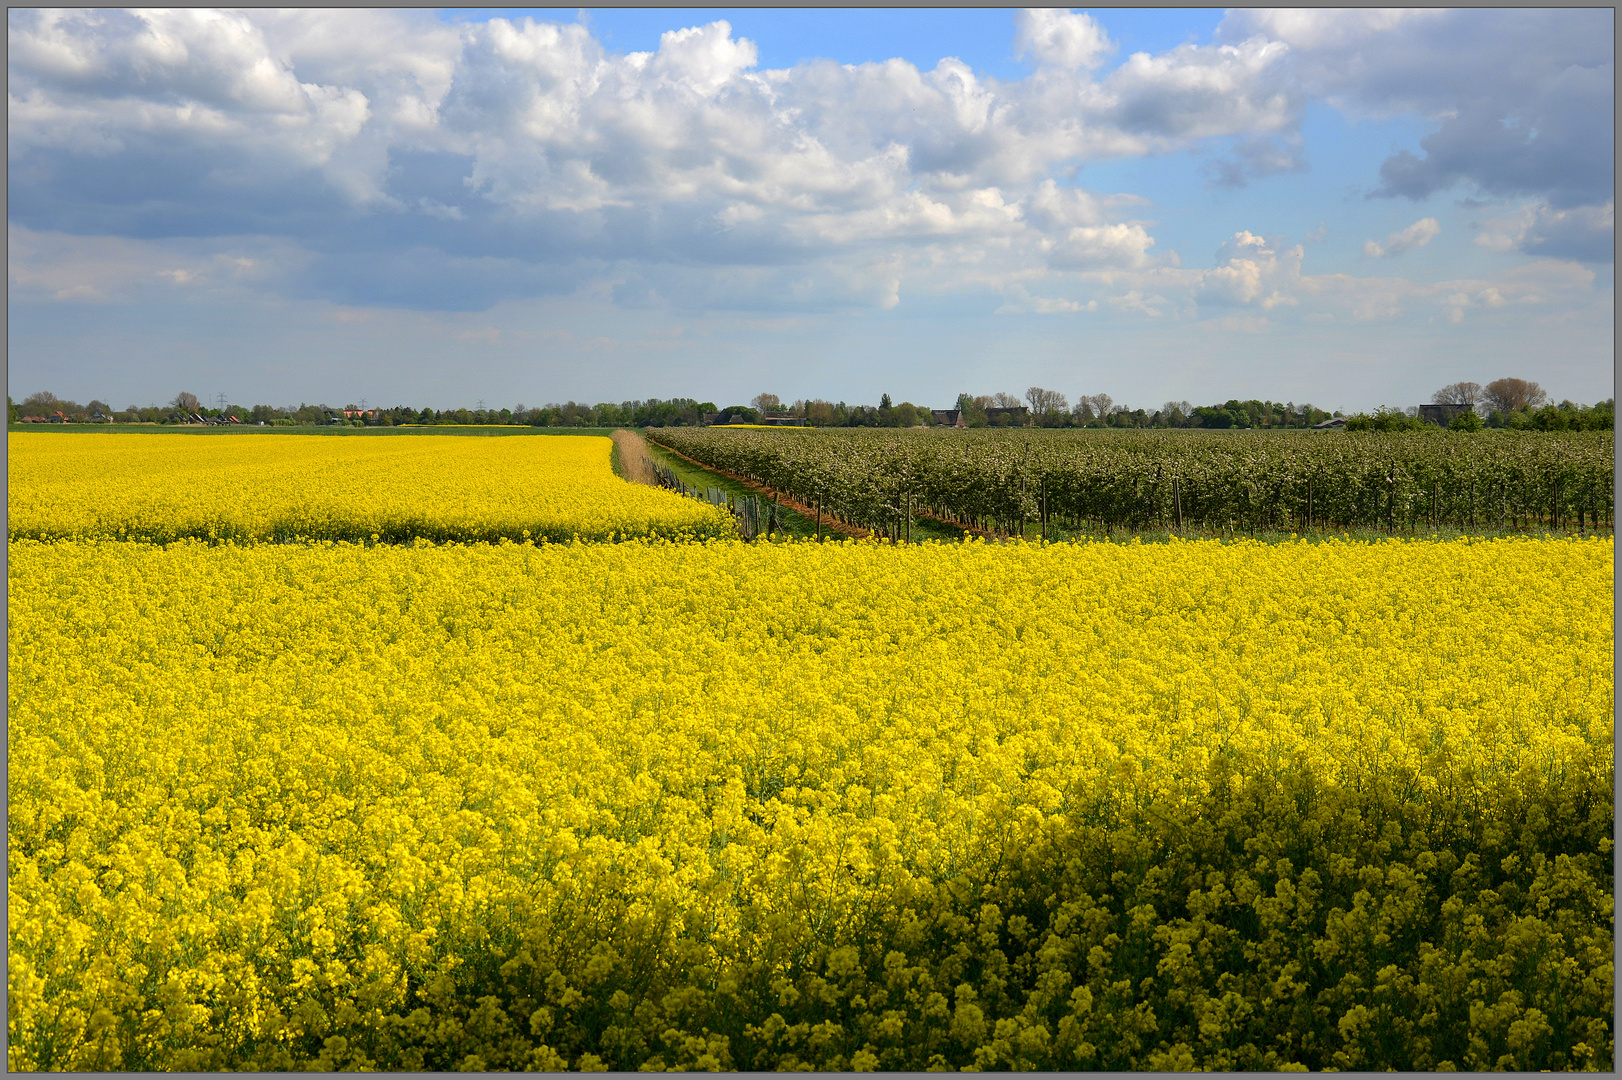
[(1351, 208), (980, 37)]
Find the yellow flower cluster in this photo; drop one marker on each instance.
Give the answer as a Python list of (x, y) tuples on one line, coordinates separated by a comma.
[(284, 487), (266, 796)]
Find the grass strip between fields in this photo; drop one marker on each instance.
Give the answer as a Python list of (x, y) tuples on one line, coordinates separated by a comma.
[(795, 520), (801, 520)]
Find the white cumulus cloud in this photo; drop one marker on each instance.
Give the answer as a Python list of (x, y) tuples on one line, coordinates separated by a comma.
[(1060, 38), (422, 164), (1416, 235)]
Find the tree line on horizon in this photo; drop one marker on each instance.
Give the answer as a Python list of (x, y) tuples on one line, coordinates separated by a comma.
[(1504, 403), (1515, 404)]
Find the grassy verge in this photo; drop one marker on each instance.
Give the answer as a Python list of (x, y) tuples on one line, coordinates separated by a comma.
[(794, 523), (790, 522)]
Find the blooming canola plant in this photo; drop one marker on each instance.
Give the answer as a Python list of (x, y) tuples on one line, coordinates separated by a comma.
[(660, 804)]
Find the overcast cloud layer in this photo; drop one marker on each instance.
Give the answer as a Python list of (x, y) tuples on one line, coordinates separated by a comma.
[(513, 184)]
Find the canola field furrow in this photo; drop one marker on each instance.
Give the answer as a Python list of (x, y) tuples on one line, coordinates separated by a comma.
[(159, 488), (837, 806)]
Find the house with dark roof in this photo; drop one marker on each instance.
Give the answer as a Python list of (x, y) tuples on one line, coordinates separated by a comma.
[(1442, 415)]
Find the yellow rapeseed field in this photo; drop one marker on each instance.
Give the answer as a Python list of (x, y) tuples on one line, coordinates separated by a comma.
[(790, 805), (284, 487)]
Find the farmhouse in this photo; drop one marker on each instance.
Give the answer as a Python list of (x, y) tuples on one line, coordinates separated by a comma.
[(996, 416), (1442, 415), (1007, 415)]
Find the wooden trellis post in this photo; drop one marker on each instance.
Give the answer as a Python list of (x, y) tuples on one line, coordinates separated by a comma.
[(1391, 499)]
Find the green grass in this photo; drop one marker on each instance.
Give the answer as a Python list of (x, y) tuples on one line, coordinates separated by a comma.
[(793, 523), (789, 522)]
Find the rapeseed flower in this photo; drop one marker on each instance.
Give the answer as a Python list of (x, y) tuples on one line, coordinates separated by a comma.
[(334, 805)]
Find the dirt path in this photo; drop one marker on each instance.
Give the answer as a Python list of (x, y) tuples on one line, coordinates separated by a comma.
[(810, 512), (634, 458)]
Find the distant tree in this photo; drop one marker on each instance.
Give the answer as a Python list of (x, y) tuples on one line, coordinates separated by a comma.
[(1514, 395), (1466, 420), (1459, 393), (577, 414), (185, 402), (1090, 407), (766, 403), (909, 415), (1385, 419), (885, 402), (1044, 402), (1219, 416), (1005, 401), (676, 412), (972, 410), (1562, 417), (1176, 413), (820, 413), (43, 403)]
